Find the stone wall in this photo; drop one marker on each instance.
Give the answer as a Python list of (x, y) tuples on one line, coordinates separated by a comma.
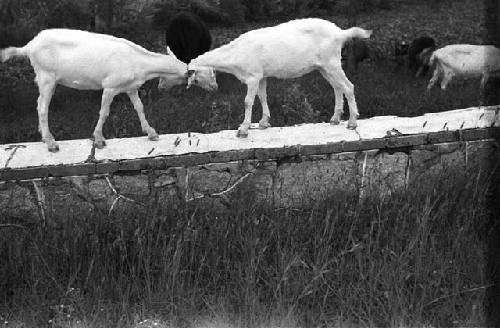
[(285, 167)]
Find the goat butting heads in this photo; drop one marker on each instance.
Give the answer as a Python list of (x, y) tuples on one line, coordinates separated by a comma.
[(91, 61), (288, 50)]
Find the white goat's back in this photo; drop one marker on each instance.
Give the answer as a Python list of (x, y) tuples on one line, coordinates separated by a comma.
[(82, 59), (78, 55), (467, 59), (287, 50)]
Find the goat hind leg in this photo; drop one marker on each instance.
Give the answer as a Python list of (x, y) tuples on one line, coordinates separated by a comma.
[(107, 98), (139, 108), (353, 106), (46, 88), (339, 98), (342, 86), (262, 94)]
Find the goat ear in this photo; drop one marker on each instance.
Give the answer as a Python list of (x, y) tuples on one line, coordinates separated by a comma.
[(170, 52)]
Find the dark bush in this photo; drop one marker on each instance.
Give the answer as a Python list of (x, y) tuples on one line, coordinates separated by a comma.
[(258, 9), (164, 11), (14, 29), (234, 11), (69, 15), (263, 9)]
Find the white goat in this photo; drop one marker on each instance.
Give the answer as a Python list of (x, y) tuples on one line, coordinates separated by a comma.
[(463, 60), (90, 61), (288, 50)]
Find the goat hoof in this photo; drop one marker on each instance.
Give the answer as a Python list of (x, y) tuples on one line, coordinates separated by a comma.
[(242, 134), (352, 126), (334, 121), (264, 125), (53, 148), (52, 145), (154, 137), (100, 144)]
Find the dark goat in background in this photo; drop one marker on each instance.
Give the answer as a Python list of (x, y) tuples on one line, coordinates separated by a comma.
[(187, 36), (415, 53), (415, 62), (354, 52)]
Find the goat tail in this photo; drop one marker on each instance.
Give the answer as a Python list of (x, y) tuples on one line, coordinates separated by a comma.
[(357, 32), (8, 53)]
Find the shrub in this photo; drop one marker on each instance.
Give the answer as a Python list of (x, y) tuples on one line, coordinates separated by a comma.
[(233, 10), (18, 23), (212, 12), (69, 14)]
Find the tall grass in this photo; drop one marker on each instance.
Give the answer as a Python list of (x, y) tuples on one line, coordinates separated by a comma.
[(408, 259)]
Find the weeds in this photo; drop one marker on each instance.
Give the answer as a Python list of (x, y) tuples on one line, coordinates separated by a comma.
[(408, 259)]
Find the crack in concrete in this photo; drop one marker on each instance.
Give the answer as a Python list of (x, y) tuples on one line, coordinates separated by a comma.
[(91, 157), (466, 154), (496, 117), (363, 178), (118, 196), (407, 173), (40, 200), (222, 193), (15, 147), (83, 195), (359, 135)]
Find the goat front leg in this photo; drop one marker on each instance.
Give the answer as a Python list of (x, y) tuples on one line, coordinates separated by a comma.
[(266, 114), (341, 86), (434, 79), (107, 99), (447, 76), (46, 87), (139, 108), (252, 87)]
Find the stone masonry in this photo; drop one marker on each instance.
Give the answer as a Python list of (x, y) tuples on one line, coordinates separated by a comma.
[(285, 167)]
